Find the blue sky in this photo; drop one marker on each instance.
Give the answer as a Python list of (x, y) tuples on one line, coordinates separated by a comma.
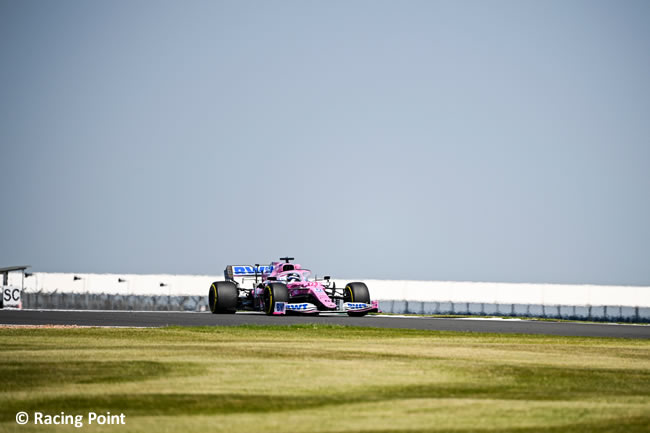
[(442, 140)]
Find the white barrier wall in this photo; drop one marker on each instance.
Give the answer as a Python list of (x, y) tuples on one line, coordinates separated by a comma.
[(382, 290), (509, 293), (121, 284)]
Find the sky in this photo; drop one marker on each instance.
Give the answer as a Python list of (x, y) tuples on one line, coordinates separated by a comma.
[(504, 141)]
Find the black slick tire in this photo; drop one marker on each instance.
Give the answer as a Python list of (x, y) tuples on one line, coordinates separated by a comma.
[(356, 292), (222, 297), (274, 292)]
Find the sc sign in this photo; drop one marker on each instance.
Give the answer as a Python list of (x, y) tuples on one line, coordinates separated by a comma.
[(11, 296)]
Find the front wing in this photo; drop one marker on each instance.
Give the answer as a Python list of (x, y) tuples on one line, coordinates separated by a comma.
[(309, 308)]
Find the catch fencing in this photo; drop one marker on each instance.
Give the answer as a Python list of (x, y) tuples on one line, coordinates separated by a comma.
[(107, 301)]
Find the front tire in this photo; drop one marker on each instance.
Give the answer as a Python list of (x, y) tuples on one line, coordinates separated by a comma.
[(274, 292), (222, 297), (356, 292)]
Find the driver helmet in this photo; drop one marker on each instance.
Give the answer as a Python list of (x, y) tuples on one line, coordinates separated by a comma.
[(293, 277)]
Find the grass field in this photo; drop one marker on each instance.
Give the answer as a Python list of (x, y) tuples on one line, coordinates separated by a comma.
[(324, 379)]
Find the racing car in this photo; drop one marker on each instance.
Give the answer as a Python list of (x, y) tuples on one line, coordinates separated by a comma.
[(284, 287)]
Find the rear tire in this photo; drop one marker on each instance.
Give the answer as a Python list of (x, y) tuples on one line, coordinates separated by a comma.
[(222, 297), (274, 292), (356, 292)]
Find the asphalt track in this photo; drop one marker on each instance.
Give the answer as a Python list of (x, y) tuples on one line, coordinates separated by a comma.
[(158, 319)]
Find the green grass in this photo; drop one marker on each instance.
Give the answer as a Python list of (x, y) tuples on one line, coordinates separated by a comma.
[(534, 319), (317, 378)]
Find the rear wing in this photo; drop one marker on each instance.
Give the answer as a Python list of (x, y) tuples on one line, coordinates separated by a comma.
[(240, 272)]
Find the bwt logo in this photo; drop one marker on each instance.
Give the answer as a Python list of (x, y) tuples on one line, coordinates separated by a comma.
[(297, 306), (356, 306), (250, 270)]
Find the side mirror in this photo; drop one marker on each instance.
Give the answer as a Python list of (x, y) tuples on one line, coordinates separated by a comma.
[(326, 277)]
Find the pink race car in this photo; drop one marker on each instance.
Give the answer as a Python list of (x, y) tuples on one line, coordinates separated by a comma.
[(284, 287)]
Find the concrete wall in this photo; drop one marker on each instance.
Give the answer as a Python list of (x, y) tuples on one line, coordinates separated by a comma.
[(510, 293), (132, 284)]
